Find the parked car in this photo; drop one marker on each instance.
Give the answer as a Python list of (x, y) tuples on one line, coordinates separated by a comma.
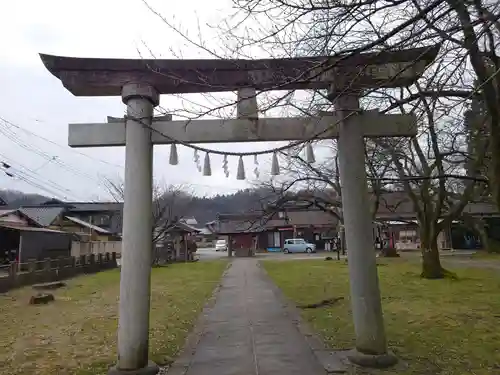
[(221, 245), (298, 245)]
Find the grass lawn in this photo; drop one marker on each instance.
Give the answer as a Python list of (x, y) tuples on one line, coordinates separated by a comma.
[(486, 256), (77, 333), (440, 327)]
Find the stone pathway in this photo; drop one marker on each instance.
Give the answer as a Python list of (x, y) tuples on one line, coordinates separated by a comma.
[(247, 332)]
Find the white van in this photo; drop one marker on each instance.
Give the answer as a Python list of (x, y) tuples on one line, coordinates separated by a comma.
[(221, 245)]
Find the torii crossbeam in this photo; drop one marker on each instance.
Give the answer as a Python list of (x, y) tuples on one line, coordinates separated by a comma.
[(140, 82), (372, 124)]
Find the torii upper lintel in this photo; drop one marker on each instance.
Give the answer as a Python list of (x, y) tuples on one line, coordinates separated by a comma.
[(106, 77)]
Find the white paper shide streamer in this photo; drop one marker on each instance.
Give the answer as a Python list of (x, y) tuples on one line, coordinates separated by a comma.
[(256, 169), (196, 158), (225, 166)]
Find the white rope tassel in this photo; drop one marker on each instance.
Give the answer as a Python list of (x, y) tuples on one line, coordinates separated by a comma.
[(174, 158), (310, 154), (240, 173), (275, 167), (207, 169)]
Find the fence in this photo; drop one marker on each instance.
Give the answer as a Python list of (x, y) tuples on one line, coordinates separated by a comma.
[(95, 247), (16, 275)]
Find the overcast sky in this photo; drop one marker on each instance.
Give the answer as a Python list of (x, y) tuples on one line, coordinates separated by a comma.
[(38, 106)]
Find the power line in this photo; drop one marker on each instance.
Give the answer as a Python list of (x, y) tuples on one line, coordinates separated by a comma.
[(50, 158), (32, 174), (32, 177), (56, 160), (16, 174), (58, 144)]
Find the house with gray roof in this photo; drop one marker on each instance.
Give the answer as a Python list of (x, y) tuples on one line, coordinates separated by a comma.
[(22, 238), (105, 215), (269, 229), (189, 221), (42, 216)]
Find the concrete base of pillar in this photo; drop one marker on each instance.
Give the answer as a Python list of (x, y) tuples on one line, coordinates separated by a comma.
[(151, 369), (371, 360)]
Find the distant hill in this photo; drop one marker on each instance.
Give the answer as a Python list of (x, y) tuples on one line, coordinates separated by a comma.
[(203, 209), (206, 209), (14, 198)]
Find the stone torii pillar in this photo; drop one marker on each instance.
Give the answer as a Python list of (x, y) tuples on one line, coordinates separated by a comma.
[(371, 344), (137, 246)]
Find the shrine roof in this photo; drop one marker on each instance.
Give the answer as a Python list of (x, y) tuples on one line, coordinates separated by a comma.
[(105, 77)]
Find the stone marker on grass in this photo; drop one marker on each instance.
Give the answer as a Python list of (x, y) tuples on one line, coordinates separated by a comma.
[(41, 298)]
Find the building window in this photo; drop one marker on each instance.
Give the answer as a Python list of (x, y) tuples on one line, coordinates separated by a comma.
[(273, 239), (99, 220), (408, 236)]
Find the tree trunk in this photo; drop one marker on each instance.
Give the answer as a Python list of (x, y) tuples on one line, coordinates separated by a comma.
[(494, 167), (483, 235), (431, 263), (479, 226), (343, 242), (155, 261)]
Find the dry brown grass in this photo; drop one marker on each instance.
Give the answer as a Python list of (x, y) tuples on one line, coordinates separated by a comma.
[(445, 327), (77, 333)]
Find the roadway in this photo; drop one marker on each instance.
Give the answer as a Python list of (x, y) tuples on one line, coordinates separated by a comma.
[(208, 253)]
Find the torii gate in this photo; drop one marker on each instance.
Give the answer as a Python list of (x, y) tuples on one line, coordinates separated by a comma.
[(140, 83)]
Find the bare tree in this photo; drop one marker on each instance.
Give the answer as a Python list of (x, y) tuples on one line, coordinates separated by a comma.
[(171, 204), (324, 176), (432, 167), (466, 68), (436, 199), (319, 185)]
